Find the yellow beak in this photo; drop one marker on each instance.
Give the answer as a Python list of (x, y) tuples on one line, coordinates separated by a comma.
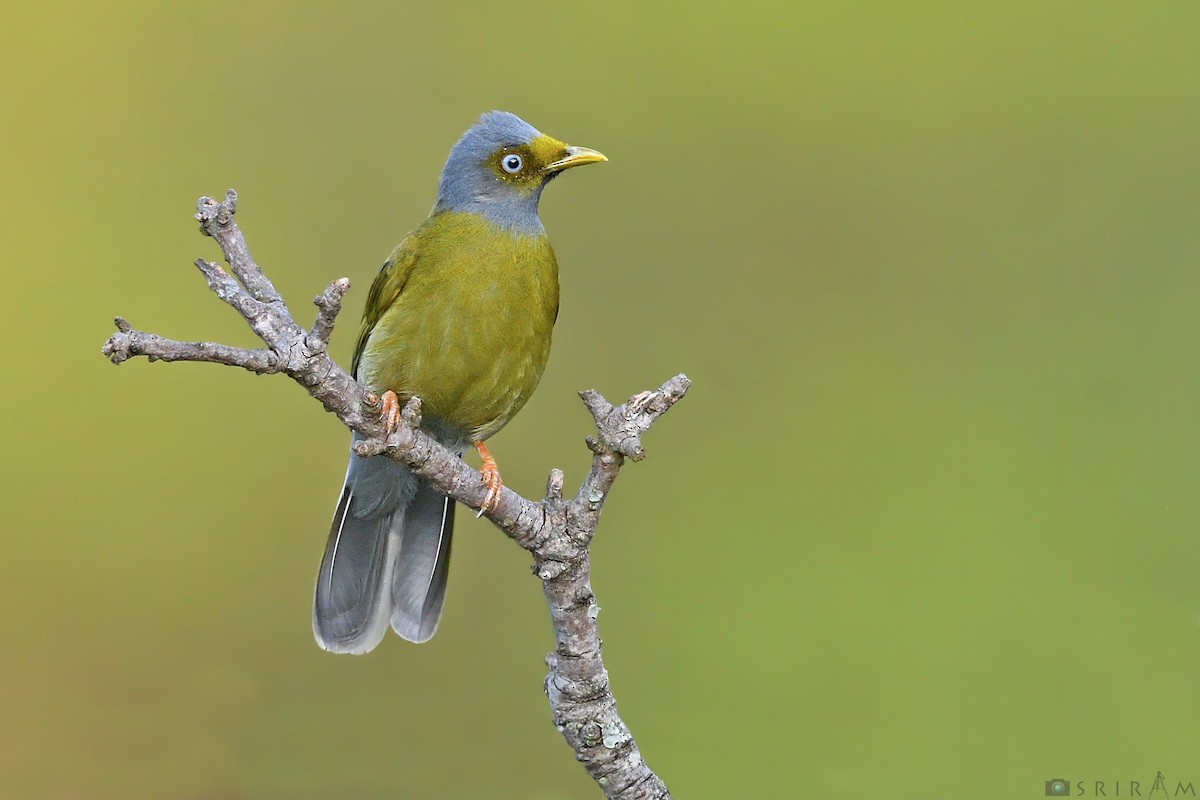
[(576, 157)]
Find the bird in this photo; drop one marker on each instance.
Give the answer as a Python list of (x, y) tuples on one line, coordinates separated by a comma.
[(460, 315)]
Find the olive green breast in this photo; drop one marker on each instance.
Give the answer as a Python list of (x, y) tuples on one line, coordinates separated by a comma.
[(461, 315)]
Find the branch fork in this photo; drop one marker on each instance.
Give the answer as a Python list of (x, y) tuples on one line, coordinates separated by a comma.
[(557, 531)]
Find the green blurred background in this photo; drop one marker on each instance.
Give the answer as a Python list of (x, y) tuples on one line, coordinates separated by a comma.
[(924, 527)]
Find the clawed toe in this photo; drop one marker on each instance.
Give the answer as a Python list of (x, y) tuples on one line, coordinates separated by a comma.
[(389, 409), (490, 475)]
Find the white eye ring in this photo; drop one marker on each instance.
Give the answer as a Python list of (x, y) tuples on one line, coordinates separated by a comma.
[(511, 163)]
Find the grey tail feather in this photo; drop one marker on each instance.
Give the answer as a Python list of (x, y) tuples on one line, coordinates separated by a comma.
[(419, 580), (386, 559), (350, 611)]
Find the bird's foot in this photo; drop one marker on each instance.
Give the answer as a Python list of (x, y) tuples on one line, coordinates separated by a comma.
[(491, 479), (389, 409)]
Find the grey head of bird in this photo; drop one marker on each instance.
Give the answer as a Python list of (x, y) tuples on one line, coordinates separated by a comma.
[(499, 168)]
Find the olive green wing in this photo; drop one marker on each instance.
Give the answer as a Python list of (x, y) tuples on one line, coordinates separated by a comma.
[(388, 285)]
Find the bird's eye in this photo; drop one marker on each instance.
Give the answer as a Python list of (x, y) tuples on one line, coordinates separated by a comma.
[(511, 163)]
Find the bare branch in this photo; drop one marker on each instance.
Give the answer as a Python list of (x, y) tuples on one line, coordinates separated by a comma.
[(216, 220), (556, 531), (584, 709), (127, 342), (619, 436), (329, 305)]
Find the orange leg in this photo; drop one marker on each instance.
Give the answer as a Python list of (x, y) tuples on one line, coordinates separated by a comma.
[(389, 409), (491, 479)]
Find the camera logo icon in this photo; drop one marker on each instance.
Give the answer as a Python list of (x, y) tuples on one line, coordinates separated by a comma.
[(1058, 787)]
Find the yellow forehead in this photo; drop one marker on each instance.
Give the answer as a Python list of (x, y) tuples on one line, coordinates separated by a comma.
[(547, 149)]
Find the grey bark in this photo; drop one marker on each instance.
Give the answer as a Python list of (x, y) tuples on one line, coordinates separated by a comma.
[(557, 531)]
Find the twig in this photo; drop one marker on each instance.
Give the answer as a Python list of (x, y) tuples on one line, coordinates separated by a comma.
[(556, 531)]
